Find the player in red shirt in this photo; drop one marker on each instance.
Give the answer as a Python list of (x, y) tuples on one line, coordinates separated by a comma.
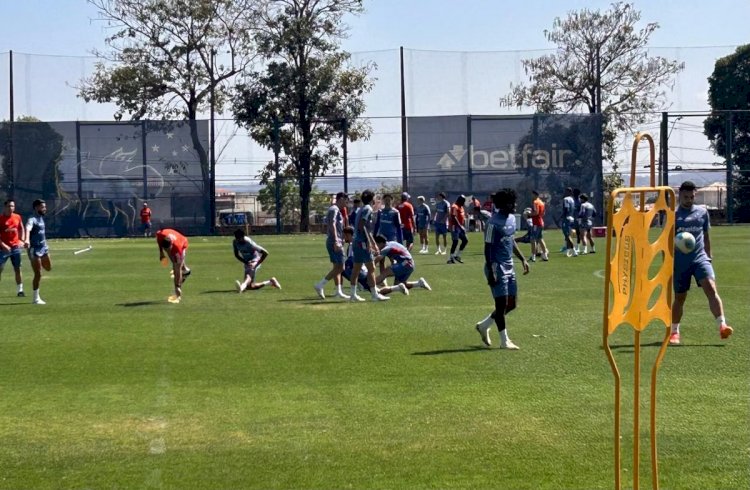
[(406, 212), (537, 231), (146, 219), (12, 238), (456, 226), (174, 245)]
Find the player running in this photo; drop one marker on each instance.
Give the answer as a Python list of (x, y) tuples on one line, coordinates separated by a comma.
[(36, 243), (252, 256), (456, 226)]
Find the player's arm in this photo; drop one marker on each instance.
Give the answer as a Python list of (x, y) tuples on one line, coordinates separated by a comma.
[(27, 235), (519, 256), (707, 244), (399, 231), (263, 255), (376, 228), (237, 254)]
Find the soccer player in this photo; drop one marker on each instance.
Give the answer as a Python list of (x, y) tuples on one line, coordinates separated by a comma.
[(499, 248), (537, 232), (402, 265), (12, 238), (388, 221), (576, 213), (586, 218), (476, 208), (36, 243), (442, 209), (697, 263), (423, 224), (335, 220), (146, 219), (406, 210), (568, 221), (174, 245), (361, 278), (363, 246), (252, 256), (456, 222)]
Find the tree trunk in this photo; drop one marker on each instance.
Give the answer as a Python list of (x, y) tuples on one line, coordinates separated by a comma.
[(304, 191), (203, 158)]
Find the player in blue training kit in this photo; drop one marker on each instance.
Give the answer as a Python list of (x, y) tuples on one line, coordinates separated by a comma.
[(697, 263), (586, 220), (252, 255), (335, 246), (423, 214), (362, 276), (36, 243), (569, 219), (499, 248), (442, 209), (363, 246), (388, 221), (402, 265)]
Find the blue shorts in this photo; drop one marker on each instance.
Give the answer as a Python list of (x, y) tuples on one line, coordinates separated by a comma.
[(408, 236), (146, 226), (441, 229), (423, 227), (15, 258), (362, 252), (506, 284), (337, 257), (251, 268), (537, 232), (40, 251), (566, 227), (458, 234), (700, 269), (402, 271)]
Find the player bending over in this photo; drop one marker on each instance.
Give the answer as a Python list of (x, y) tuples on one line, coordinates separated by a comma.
[(402, 265), (252, 256)]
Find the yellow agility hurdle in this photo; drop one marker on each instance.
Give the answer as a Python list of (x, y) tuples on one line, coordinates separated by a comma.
[(638, 295)]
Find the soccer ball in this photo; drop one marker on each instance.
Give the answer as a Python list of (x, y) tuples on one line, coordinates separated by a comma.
[(684, 242)]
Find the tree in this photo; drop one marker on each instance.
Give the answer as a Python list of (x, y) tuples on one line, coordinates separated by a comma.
[(729, 90), (307, 97), (600, 65), (162, 59), (320, 201)]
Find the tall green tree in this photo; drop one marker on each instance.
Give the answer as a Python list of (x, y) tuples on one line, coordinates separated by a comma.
[(307, 90), (729, 90), (601, 65), (165, 59)]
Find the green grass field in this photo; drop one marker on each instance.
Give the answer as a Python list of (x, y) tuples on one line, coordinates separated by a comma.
[(109, 386)]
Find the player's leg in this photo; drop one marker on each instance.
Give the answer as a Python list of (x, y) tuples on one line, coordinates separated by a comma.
[(464, 242), (708, 284), (371, 283), (46, 262), (16, 262), (454, 246), (36, 267)]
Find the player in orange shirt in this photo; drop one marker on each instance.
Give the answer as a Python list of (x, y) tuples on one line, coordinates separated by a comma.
[(146, 219), (537, 231), (456, 226), (12, 238), (174, 245), (406, 212)]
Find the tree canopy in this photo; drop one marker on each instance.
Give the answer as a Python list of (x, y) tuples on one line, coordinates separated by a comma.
[(729, 97), (299, 102), (600, 65)]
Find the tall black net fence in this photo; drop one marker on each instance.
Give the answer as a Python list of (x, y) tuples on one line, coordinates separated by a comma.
[(96, 176)]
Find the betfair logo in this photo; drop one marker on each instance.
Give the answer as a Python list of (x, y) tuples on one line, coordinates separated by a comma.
[(451, 157)]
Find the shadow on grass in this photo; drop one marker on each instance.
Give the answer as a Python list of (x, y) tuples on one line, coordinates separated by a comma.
[(140, 303), (219, 291), (630, 348), (471, 348), (16, 304), (309, 301)]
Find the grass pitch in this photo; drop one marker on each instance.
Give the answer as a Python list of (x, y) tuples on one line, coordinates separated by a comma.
[(110, 386)]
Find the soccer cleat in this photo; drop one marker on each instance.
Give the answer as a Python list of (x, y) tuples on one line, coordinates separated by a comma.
[(39, 301), (379, 297), (674, 339), (354, 298), (403, 288), (238, 284), (532, 259), (340, 294), (275, 283), (319, 290), (422, 283), (458, 259), (438, 252), (451, 261), (21, 294), (508, 344), (593, 251), (725, 331), (443, 252), (484, 334)]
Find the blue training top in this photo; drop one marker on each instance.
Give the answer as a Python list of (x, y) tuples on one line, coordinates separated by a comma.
[(499, 235), (696, 221), (388, 224), (37, 231)]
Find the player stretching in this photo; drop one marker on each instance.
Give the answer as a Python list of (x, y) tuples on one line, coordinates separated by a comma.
[(499, 247), (336, 221), (173, 244), (423, 225), (12, 238), (442, 208), (697, 263), (252, 255), (363, 246), (458, 231), (402, 265), (36, 242)]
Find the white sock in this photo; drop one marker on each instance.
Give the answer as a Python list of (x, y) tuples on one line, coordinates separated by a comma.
[(504, 335), (458, 254), (20, 287), (720, 320), (36, 294), (266, 283), (675, 328), (322, 283), (487, 321), (338, 289), (354, 290)]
